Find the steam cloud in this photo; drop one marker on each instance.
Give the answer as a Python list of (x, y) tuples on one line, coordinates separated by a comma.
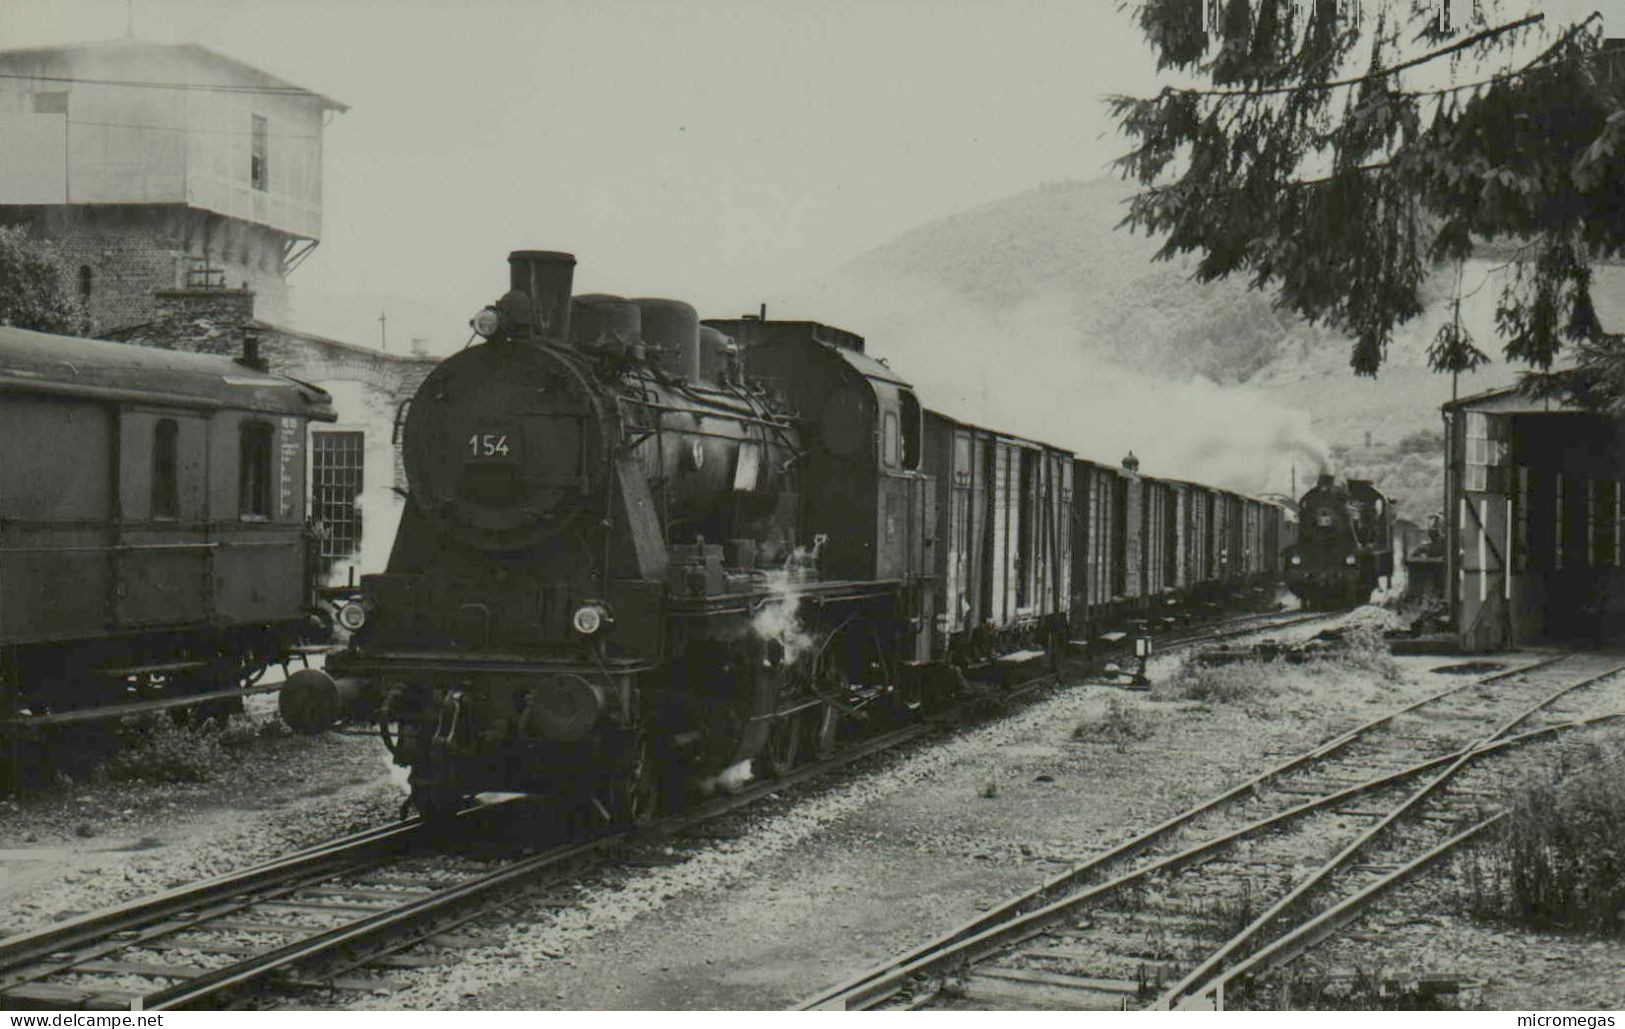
[(1033, 370)]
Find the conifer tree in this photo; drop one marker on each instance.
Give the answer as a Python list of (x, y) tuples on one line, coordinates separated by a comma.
[(1339, 152)]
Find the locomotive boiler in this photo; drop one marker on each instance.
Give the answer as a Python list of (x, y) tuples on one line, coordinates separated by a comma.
[(623, 558), (1345, 543)]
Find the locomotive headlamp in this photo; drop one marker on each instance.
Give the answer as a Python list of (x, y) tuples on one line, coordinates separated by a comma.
[(590, 618), (486, 322), (353, 615), (1349, 560), (1297, 559)]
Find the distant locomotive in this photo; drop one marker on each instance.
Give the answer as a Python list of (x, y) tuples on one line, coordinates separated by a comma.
[(1345, 543), (153, 541), (640, 548)]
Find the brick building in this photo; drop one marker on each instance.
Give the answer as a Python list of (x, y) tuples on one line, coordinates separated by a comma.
[(158, 166)]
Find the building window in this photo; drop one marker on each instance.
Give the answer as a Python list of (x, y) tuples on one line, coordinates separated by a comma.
[(254, 470), (51, 103), (166, 493), (87, 282), (259, 166), (336, 471)]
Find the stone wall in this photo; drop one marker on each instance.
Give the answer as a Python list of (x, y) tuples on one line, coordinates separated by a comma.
[(134, 255)]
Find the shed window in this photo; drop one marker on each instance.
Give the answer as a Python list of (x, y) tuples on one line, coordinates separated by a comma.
[(259, 171), (1557, 521), (1599, 528), (254, 470), (1480, 452), (166, 494)]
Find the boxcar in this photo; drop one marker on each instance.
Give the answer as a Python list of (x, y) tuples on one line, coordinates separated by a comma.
[(1003, 561), (154, 537)]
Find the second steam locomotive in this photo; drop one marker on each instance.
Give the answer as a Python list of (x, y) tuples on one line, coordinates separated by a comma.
[(639, 548), (1345, 543)]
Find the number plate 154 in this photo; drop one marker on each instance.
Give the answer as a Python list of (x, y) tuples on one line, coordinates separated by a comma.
[(491, 446)]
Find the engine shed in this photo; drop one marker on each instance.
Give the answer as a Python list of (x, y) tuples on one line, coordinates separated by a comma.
[(1533, 545)]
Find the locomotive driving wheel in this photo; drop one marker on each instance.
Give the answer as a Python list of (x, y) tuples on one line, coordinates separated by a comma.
[(782, 748), (824, 722), (437, 804), (635, 793)]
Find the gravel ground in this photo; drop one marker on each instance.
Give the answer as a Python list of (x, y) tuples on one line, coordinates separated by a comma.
[(81, 846), (795, 894), (1423, 930), (829, 883)]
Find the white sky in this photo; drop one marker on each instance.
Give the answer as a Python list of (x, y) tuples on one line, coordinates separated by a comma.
[(720, 151)]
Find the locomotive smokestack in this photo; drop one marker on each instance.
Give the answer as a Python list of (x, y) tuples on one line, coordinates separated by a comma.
[(545, 276)]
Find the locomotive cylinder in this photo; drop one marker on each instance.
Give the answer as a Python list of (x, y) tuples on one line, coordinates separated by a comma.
[(545, 276)]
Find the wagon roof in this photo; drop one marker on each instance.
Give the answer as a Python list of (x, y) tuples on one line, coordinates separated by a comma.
[(39, 362)]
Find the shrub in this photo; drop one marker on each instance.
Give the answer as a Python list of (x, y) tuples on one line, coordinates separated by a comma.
[(1220, 684), (1122, 724), (1559, 860), (1365, 649), (160, 750)]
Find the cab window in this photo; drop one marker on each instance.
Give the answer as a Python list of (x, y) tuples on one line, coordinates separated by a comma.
[(888, 440), (913, 427)]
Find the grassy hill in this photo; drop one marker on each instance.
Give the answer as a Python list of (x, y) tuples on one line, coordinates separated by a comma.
[(1035, 313)]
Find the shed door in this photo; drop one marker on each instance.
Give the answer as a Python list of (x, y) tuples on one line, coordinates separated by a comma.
[(1484, 523)]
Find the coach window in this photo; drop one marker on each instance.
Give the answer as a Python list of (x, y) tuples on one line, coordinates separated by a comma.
[(166, 493), (254, 471), (912, 428)]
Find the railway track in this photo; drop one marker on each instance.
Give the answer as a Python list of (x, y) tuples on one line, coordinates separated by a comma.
[(340, 915), (1252, 877)]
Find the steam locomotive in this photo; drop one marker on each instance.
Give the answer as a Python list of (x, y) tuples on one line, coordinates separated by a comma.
[(1345, 543), (640, 549)]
